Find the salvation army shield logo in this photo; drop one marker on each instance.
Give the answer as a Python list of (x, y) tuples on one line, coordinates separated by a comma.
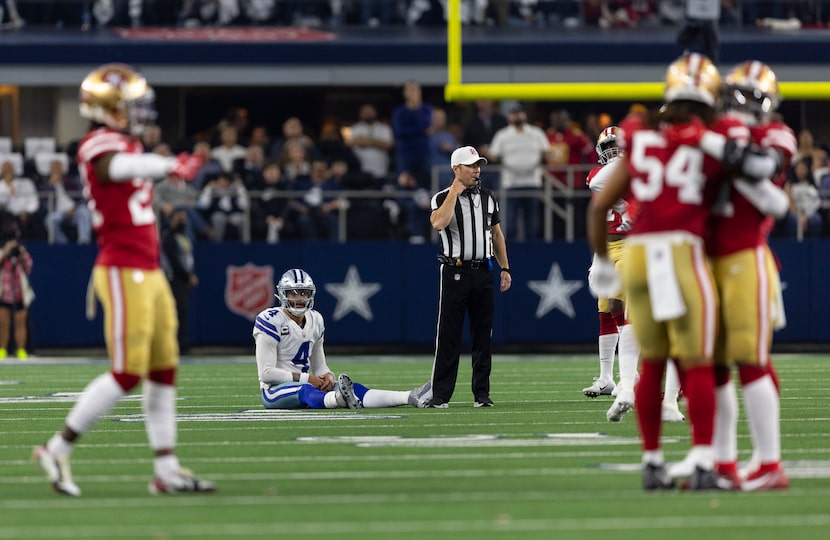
[(249, 289)]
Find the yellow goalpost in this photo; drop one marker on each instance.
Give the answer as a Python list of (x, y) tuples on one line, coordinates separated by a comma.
[(456, 90)]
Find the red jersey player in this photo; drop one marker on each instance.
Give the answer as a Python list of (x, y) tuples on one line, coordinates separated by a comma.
[(747, 280), (613, 324), (672, 302), (139, 313)]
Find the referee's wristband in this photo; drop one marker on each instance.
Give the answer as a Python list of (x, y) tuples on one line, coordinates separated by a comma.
[(506, 270)]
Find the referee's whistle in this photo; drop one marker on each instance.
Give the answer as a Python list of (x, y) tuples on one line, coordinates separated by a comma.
[(458, 262)]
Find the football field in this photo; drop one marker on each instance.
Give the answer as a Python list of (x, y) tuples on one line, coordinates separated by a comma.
[(542, 464)]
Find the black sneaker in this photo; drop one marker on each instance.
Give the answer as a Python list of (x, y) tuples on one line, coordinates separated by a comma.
[(703, 480), (436, 405), (655, 477), (484, 402)]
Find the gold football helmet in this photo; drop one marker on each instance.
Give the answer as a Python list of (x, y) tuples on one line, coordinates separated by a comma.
[(751, 92), (607, 145), (692, 77), (119, 97)]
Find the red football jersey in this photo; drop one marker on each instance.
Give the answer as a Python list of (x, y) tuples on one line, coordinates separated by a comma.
[(122, 212), (675, 187), (614, 218), (736, 223)]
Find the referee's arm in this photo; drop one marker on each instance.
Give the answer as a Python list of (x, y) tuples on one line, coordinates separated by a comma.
[(441, 216), (500, 251)]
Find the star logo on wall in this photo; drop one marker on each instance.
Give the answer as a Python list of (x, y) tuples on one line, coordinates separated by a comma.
[(352, 295), (555, 293)]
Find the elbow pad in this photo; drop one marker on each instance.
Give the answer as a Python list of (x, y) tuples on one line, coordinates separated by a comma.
[(751, 161)]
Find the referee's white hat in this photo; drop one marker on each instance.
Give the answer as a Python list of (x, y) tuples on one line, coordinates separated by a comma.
[(466, 155)]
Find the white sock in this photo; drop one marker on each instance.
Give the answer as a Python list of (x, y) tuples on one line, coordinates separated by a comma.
[(725, 439), (166, 465), (384, 398), (762, 412), (672, 384), (58, 446), (654, 457), (159, 405), (330, 400), (629, 357), (607, 348), (98, 398)]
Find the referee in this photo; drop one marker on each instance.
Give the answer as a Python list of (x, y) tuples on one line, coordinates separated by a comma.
[(466, 216)]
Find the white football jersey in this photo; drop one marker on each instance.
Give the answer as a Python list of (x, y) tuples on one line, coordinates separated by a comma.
[(284, 348)]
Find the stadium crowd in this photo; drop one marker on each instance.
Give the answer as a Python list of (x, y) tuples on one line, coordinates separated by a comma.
[(262, 186), (372, 13)]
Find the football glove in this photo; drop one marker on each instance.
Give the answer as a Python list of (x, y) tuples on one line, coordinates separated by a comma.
[(186, 166), (603, 279)]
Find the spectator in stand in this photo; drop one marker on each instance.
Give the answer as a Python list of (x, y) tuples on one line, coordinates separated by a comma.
[(295, 160), (15, 291), (224, 202), (178, 264), (151, 138), (68, 210), (415, 206), (521, 147), (804, 219), (333, 148), (249, 168), (410, 124), (480, 126), (806, 148), (315, 213), (371, 141), (441, 144), (260, 137), (292, 130), (568, 144), (269, 210), (229, 150), (19, 198), (210, 167), (236, 117), (174, 194)]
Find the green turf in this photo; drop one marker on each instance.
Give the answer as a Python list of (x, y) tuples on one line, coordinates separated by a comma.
[(542, 464)]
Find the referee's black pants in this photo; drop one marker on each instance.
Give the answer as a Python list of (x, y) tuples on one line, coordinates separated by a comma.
[(463, 291)]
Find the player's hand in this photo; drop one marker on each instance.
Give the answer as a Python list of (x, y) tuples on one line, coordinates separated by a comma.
[(327, 382), (603, 279), (684, 134), (186, 166), (626, 224)]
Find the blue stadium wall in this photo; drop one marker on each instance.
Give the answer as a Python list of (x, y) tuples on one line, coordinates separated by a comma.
[(376, 293)]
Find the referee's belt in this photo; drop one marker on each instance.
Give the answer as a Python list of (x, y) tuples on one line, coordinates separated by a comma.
[(474, 264)]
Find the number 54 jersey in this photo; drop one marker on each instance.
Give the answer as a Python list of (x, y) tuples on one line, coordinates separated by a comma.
[(676, 186), (122, 212)]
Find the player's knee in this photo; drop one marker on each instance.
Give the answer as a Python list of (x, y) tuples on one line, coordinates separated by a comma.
[(126, 381), (751, 373)]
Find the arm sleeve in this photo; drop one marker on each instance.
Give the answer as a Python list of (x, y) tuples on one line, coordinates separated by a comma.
[(128, 166), (601, 178), (750, 160), (768, 198), (266, 360)]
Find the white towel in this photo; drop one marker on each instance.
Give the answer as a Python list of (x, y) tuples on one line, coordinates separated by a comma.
[(777, 311), (666, 299)]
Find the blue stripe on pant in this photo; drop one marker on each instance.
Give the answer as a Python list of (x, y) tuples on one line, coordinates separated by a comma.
[(293, 395)]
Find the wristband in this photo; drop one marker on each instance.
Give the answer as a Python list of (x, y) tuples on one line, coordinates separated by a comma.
[(506, 270), (303, 378)]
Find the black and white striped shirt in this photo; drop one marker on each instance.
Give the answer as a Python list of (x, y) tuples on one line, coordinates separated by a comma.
[(468, 236)]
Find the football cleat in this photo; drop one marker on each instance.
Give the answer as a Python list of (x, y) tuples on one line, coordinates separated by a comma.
[(699, 457), (421, 396), (622, 404), (671, 413), (703, 480), (599, 388), (485, 402), (655, 477), (726, 476), (345, 393), (181, 482), (57, 471), (765, 478)]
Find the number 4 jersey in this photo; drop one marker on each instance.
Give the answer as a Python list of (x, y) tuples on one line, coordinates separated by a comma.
[(122, 212), (675, 186)]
